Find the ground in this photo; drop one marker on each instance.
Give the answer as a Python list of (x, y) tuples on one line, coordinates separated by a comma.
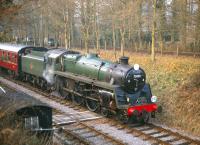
[(176, 82)]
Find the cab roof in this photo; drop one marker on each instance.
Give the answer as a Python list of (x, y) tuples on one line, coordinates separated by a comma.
[(54, 53)]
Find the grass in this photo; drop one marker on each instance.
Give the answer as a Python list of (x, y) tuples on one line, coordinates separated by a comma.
[(176, 82)]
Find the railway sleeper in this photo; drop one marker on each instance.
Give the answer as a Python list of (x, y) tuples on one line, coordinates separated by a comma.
[(173, 140), (163, 136)]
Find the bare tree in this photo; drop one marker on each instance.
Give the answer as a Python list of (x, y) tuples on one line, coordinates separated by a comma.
[(153, 31), (96, 24), (86, 21)]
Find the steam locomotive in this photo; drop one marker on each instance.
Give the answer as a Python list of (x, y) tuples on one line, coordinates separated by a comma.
[(112, 88)]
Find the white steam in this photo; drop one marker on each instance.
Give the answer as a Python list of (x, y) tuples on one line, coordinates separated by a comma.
[(48, 74)]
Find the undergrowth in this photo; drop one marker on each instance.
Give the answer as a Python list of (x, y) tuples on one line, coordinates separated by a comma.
[(12, 131)]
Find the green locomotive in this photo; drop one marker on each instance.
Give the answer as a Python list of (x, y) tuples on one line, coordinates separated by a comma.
[(112, 88)]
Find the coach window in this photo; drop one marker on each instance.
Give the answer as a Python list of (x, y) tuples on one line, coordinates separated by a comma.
[(8, 56), (5, 55), (13, 58), (2, 55)]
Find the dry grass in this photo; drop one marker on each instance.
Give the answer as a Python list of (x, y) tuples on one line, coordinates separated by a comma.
[(176, 82), (12, 133)]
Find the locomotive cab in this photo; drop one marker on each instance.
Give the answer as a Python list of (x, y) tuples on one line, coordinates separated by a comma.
[(52, 62)]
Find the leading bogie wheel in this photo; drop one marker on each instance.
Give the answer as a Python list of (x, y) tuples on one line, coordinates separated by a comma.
[(123, 117), (105, 112), (144, 118)]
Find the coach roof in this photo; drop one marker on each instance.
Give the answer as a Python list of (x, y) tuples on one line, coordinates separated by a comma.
[(18, 48), (13, 47)]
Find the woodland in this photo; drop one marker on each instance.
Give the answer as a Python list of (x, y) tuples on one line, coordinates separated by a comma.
[(153, 26)]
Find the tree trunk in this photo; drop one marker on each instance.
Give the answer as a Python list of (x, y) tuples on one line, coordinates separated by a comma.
[(66, 37), (69, 39), (66, 30), (136, 47), (86, 40), (184, 26), (96, 26), (72, 33), (105, 45), (161, 43), (41, 29), (113, 37), (153, 32), (177, 50), (97, 41), (122, 42)]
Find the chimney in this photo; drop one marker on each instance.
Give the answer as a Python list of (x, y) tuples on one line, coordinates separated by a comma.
[(123, 60)]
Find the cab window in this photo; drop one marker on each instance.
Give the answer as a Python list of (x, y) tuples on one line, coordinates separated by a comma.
[(57, 61), (13, 58), (50, 61)]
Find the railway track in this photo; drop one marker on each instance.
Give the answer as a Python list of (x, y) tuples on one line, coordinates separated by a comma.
[(83, 133), (149, 132), (155, 134)]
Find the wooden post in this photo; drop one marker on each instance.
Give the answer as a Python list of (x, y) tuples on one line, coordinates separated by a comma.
[(177, 50), (136, 49), (105, 45)]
